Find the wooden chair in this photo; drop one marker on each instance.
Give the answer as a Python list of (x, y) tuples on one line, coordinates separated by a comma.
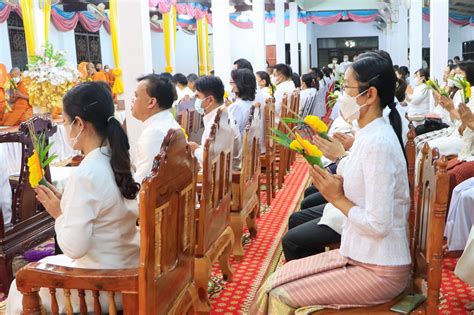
[(410, 150), (192, 122), (268, 160), (30, 224), (245, 200), (163, 282), (295, 108), (215, 239), (427, 241), (282, 152)]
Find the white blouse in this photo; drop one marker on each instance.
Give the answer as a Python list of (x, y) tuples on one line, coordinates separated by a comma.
[(376, 181), (5, 191), (240, 111), (419, 103), (97, 227)]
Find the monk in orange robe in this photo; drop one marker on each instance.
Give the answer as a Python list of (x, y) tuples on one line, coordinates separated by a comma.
[(3, 103), (21, 108)]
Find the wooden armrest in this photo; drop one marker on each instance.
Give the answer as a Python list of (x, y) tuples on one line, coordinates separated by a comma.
[(236, 177), (43, 275), (200, 178)]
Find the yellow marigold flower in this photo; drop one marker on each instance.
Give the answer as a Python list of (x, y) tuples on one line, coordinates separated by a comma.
[(36, 172), (468, 90), (296, 146), (226, 95), (309, 149), (316, 123)]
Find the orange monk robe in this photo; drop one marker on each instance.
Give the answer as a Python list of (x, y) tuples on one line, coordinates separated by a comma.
[(3, 103), (21, 109), (110, 79), (100, 76)]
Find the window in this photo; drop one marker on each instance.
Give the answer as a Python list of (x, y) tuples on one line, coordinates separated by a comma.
[(16, 35), (329, 48), (87, 45), (468, 50)]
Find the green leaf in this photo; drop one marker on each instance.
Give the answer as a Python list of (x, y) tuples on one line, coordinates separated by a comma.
[(45, 151), (49, 160), (324, 135), (290, 120), (281, 142), (313, 160)]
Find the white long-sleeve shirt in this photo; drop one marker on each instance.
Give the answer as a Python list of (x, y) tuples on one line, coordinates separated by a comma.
[(284, 87), (208, 120), (97, 226), (155, 130), (5, 191), (240, 111), (376, 181), (419, 103)]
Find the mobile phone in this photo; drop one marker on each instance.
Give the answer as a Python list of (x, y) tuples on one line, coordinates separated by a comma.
[(408, 303)]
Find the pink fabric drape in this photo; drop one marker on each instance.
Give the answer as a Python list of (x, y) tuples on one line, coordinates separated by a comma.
[(5, 13), (244, 25), (362, 19), (63, 24), (155, 28), (90, 25), (326, 20)]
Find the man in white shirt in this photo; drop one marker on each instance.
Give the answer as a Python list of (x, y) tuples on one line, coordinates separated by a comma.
[(344, 65), (210, 97), (182, 88), (284, 85), (154, 97)]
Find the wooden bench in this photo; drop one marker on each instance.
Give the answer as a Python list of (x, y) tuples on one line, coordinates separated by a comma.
[(30, 224), (268, 159), (164, 281), (215, 239)]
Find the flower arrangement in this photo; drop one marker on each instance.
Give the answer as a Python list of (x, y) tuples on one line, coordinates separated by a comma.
[(10, 87), (38, 160), (332, 98), (294, 141), (465, 86), (433, 84), (48, 78)]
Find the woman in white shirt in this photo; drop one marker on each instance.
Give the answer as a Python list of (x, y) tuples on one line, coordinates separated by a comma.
[(97, 212), (5, 190), (309, 89), (265, 84), (373, 264), (244, 85), (419, 101)]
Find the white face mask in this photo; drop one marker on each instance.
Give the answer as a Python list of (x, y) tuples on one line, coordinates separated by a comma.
[(107, 70), (71, 142), (346, 59), (16, 80), (198, 106), (450, 83), (348, 107)]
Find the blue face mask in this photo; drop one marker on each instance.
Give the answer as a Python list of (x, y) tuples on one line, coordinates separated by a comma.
[(198, 106)]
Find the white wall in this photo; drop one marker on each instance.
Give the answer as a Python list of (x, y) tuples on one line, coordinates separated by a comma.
[(64, 41), (106, 47), (5, 56)]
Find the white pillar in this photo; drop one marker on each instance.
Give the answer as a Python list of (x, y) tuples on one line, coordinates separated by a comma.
[(295, 62), (280, 30), (260, 54), (221, 40), (304, 47), (439, 24), (402, 36), (415, 35), (135, 55), (38, 20)]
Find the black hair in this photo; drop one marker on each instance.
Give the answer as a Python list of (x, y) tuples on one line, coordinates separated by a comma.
[(400, 89), (375, 69), (93, 102), (309, 79), (457, 58), (468, 67), (450, 62), (268, 82), (295, 77), (424, 73), (404, 71), (180, 78), (160, 87), (327, 71), (167, 75), (243, 64), (318, 75), (192, 77), (285, 70), (246, 83), (396, 67), (211, 85)]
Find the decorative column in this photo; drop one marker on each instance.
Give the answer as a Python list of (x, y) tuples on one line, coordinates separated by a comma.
[(221, 38), (439, 24), (34, 24), (402, 36), (206, 34), (304, 47), (280, 31), (295, 61), (169, 37), (415, 35), (201, 37), (260, 49), (135, 53)]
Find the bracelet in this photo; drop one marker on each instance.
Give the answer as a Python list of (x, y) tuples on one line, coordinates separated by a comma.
[(339, 159)]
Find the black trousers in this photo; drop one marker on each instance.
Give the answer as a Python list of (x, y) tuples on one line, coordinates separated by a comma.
[(305, 237), (422, 129)]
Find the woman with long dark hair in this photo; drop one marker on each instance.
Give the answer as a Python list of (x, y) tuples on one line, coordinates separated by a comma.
[(244, 86), (309, 89), (97, 212), (373, 263), (265, 83)]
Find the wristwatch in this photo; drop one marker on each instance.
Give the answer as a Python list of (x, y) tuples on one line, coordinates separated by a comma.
[(339, 159)]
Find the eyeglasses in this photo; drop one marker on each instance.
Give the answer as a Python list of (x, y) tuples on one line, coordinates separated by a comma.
[(232, 82)]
